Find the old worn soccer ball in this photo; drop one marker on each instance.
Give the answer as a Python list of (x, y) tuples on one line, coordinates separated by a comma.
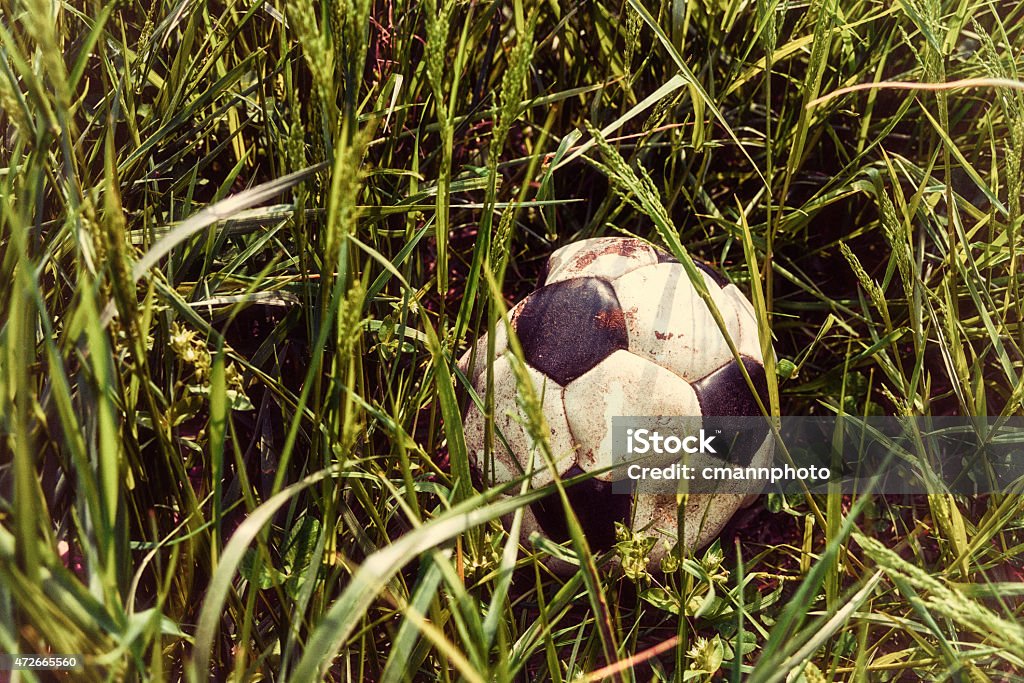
[(616, 328)]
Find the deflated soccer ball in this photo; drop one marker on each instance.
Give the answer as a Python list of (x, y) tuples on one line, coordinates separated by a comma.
[(617, 329)]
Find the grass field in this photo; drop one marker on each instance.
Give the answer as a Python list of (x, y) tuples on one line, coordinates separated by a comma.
[(243, 243)]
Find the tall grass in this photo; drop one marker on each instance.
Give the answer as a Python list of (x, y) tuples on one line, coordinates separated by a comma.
[(242, 244)]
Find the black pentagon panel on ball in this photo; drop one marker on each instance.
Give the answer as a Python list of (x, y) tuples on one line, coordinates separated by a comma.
[(665, 257), (712, 273), (724, 393), (542, 276), (596, 507), (568, 327), (720, 280)]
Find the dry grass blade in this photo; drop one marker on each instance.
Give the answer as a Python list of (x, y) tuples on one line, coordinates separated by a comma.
[(961, 84)]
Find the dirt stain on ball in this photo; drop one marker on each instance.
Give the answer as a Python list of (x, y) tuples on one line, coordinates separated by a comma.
[(613, 319), (626, 248)]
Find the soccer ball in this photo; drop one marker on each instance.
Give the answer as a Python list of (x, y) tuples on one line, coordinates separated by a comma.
[(617, 329)]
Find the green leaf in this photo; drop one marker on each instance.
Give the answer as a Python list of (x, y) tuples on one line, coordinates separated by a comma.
[(259, 572), (662, 599)]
